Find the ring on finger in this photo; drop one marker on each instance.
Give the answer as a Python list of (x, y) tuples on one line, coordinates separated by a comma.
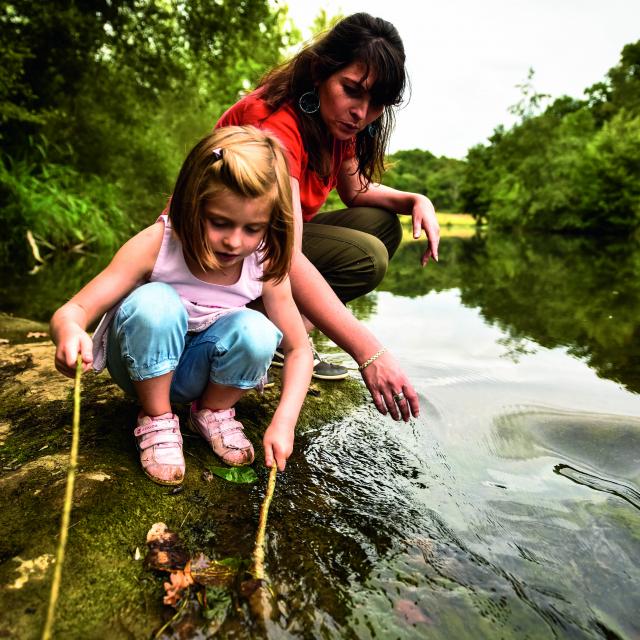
[(398, 397)]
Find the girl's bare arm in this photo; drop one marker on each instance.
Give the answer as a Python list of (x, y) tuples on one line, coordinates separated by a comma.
[(296, 375), (132, 263)]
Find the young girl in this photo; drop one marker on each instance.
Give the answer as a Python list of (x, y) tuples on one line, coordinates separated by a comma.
[(178, 329)]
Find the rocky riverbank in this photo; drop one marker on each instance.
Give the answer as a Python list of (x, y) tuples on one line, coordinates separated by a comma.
[(106, 591)]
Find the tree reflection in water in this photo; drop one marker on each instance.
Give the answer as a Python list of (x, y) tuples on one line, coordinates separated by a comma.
[(574, 292)]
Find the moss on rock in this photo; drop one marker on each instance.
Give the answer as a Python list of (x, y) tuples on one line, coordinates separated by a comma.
[(106, 592)]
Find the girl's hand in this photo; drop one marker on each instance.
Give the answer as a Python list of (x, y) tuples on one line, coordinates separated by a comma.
[(73, 341), (385, 379), (423, 216), (278, 444)]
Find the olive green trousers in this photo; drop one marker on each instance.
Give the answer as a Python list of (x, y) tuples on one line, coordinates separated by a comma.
[(351, 248)]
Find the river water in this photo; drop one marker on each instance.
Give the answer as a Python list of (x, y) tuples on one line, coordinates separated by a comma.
[(511, 507)]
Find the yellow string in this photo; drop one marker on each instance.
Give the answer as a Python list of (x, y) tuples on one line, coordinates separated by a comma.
[(68, 499)]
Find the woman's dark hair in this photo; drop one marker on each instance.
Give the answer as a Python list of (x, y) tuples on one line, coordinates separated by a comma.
[(373, 42)]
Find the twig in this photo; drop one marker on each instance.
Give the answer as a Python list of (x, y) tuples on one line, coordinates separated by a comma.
[(173, 618), (31, 241), (68, 499), (185, 518), (258, 553)]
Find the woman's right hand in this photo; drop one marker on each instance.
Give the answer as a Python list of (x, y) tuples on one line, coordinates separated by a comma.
[(72, 341)]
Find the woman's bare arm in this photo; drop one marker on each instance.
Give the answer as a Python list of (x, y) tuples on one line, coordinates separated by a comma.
[(318, 302)]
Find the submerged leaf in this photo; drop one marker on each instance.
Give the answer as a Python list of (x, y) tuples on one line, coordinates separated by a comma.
[(213, 572), (166, 552), (217, 602), (235, 474)]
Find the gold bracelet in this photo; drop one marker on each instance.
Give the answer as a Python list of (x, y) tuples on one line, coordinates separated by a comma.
[(375, 356)]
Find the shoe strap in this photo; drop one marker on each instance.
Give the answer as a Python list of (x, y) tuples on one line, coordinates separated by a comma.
[(157, 424), (229, 431), (231, 427), (233, 436), (223, 427), (222, 415), (162, 439)]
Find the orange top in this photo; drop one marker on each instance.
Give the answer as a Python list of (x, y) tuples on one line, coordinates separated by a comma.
[(284, 124)]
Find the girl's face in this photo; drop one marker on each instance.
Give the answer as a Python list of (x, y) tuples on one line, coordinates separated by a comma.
[(235, 225), (345, 101)]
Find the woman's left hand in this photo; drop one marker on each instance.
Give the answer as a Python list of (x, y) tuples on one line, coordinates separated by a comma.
[(423, 216), (390, 388)]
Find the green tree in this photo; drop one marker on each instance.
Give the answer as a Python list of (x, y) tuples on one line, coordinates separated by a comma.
[(118, 90), (575, 166), (419, 171)]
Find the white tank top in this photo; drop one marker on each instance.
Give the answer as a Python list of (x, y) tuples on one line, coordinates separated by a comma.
[(204, 302)]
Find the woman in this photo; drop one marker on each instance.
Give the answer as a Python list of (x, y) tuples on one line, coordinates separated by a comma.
[(331, 106)]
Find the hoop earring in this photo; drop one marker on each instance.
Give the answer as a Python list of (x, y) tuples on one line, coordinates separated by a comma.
[(309, 102), (372, 130)]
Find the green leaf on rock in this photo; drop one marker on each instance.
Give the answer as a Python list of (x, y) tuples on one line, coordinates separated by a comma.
[(235, 474)]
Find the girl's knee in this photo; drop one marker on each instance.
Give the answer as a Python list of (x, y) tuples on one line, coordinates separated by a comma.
[(156, 306), (254, 334)]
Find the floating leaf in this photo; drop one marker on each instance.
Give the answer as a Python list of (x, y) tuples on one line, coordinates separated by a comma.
[(235, 474)]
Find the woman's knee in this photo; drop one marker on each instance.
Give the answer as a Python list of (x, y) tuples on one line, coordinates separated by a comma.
[(376, 265), (388, 230)]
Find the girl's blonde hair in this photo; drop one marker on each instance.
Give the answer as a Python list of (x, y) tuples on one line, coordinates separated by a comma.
[(250, 163)]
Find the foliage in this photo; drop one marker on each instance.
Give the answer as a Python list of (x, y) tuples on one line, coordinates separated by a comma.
[(239, 475), (573, 167), (120, 89), (323, 21), (59, 206), (420, 171)]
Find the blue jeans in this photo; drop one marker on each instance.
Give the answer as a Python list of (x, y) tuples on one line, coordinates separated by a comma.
[(148, 338)]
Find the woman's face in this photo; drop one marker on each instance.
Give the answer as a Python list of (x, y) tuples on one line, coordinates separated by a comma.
[(345, 101)]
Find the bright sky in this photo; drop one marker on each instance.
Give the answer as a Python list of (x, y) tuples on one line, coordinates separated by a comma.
[(465, 57)]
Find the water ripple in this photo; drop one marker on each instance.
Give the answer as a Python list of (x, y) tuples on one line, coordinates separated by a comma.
[(631, 495)]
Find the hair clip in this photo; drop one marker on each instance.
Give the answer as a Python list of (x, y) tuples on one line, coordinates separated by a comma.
[(217, 154)]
